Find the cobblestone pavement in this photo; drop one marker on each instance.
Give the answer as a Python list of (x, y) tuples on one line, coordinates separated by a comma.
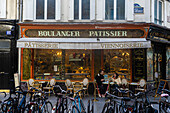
[(97, 105)]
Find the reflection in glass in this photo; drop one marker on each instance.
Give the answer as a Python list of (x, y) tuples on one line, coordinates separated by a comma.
[(85, 9), (39, 9), (47, 64), (117, 61), (109, 11), (155, 12), (50, 9), (160, 12), (78, 64), (120, 10), (76, 9)]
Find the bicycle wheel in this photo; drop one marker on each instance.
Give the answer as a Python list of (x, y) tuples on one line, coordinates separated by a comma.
[(162, 108), (31, 108), (111, 110), (92, 109), (140, 107), (48, 107), (88, 107), (105, 108), (75, 109), (122, 110)]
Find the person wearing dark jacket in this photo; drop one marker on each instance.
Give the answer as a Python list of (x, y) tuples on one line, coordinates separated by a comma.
[(99, 79)]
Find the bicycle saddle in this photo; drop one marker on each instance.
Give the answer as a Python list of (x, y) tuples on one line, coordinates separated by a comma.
[(164, 95)]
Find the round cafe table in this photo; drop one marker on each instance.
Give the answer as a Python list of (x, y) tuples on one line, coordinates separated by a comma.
[(108, 83)]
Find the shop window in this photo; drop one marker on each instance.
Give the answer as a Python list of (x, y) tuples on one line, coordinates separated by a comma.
[(45, 9), (117, 6), (117, 61), (26, 64), (78, 64), (81, 9), (47, 64)]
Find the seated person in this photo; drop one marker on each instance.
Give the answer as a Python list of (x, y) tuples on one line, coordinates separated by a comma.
[(99, 79), (117, 81)]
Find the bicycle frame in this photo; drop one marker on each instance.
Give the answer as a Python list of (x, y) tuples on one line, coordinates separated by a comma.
[(78, 105)]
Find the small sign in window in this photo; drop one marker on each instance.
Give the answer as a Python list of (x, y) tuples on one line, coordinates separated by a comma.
[(8, 32)]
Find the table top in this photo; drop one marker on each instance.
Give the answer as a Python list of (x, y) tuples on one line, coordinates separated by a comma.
[(134, 83), (41, 82), (108, 82)]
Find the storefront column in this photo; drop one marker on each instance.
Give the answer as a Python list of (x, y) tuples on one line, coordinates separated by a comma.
[(97, 61), (62, 74)]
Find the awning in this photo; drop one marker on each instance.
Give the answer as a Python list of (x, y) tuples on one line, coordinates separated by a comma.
[(83, 43)]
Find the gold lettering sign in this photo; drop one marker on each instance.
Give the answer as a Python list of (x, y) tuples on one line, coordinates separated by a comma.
[(85, 33), (122, 45), (41, 45)]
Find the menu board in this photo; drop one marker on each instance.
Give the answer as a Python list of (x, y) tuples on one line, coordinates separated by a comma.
[(138, 64)]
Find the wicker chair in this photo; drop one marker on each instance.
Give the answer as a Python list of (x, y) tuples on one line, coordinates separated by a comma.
[(141, 86), (69, 85), (124, 85), (77, 86), (30, 83), (50, 85), (85, 85)]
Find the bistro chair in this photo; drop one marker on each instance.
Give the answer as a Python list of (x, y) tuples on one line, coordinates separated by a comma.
[(36, 85), (142, 86), (76, 87), (69, 85), (50, 85), (85, 85), (124, 85), (30, 83)]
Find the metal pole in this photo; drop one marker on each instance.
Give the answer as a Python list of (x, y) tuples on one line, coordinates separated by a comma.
[(19, 65)]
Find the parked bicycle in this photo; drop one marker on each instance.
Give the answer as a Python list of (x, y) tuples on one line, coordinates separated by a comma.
[(1, 101), (71, 105), (13, 104), (120, 104), (164, 106), (130, 104), (39, 103)]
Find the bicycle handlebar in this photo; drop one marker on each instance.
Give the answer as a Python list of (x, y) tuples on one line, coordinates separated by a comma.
[(62, 91), (4, 94), (19, 88), (114, 96)]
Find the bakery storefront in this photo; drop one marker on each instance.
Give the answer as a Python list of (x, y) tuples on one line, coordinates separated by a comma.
[(75, 51)]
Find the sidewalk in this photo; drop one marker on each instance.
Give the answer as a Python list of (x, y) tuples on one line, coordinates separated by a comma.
[(98, 105)]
